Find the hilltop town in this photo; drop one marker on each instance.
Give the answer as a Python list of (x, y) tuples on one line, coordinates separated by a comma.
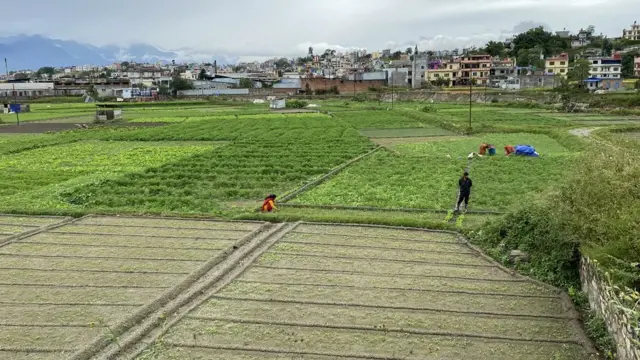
[(534, 59)]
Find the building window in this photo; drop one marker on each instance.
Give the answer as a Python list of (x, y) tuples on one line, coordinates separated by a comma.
[(446, 75), (474, 74), (595, 62), (562, 63), (616, 69), (551, 63), (562, 70), (550, 71)]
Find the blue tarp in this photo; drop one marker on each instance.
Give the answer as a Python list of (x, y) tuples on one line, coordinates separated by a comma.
[(14, 108), (526, 150)]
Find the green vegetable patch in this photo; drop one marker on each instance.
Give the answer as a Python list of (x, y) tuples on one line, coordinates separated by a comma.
[(425, 175)]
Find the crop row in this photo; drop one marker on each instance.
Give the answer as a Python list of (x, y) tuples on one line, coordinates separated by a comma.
[(271, 156), (168, 223), (38, 168), (219, 115)]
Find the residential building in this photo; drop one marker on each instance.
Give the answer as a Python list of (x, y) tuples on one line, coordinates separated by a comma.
[(502, 70), (558, 65), (636, 66), (582, 39), (476, 67), (447, 71), (564, 33), (633, 33), (606, 68)]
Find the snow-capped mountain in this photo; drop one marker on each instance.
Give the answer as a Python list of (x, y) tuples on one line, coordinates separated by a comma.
[(35, 51)]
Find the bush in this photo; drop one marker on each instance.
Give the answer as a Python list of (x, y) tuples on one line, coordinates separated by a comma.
[(429, 109), (297, 104), (595, 213), (540, 232), (361, 97)]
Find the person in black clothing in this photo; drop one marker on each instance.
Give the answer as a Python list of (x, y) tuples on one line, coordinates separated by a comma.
[(464, 184)]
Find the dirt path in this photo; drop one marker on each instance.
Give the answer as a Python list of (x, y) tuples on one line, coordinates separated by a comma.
[(44, 127)]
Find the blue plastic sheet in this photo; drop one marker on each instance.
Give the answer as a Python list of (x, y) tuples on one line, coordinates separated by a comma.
[(526, 150)]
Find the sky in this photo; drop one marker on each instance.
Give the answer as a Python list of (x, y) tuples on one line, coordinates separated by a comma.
[(268, 28)]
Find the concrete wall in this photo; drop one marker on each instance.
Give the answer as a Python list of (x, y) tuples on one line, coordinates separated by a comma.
[(213, 92), (538, 81), (602, 299), (344, 86)]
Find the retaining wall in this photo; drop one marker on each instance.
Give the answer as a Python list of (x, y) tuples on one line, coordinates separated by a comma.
[(601, 296)]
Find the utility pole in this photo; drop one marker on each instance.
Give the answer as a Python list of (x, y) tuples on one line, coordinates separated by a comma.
[(15, 94), (392, 90), (470, 99)]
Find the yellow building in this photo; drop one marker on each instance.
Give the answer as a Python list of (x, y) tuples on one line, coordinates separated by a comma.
[(557, 65), (447, 71)]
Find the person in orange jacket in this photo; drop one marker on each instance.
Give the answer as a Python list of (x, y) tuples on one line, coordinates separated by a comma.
[(509, 150), (269, 204)]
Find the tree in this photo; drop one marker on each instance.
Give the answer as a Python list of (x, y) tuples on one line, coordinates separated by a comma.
[(246, 83), (310, 51), (179, 84), (547, 42), (163, 90), (202, 75), (494, 48), (579, 71), (409, 51), (627, 63), (124, 64), (530, 57), (590, 30), (46, 70), (282, 64), (607, 47), (396, 55), (20, 76)]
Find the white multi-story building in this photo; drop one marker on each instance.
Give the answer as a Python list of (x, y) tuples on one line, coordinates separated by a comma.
[(633, 33), (605, 68)]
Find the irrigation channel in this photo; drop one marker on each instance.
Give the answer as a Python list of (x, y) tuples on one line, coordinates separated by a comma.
[(102, 287)]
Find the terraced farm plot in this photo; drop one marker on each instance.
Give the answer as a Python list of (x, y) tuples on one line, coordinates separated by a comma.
[(405, 132), (326, 292), (425, 174), (61, 289), (11, 225), (34, 178), (268, 155)]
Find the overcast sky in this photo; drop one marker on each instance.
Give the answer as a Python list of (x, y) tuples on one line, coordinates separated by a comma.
[(286, 27)]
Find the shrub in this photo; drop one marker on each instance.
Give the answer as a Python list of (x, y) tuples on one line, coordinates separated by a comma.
[(595, 213), (429, 109), (297, 104), (361, 97)]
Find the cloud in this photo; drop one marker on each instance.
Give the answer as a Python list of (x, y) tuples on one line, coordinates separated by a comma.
[(259, 28)]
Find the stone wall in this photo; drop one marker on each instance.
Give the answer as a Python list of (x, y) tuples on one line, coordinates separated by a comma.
[(600, 298)]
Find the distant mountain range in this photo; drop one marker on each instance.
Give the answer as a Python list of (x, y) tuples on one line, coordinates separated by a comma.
[(35, 51)]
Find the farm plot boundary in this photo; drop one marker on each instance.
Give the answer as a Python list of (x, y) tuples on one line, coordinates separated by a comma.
[(36, 229), (326, 176), (372, 208), (137, 338), (167, 297)]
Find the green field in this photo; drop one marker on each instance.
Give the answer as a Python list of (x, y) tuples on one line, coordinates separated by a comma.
[(223, 159)]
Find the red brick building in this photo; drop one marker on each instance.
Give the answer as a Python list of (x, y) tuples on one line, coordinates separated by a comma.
[(344, 86)]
